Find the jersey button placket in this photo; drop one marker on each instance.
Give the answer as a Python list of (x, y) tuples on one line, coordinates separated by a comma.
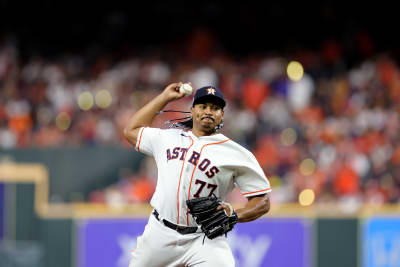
[(188, 174), (187, 169)]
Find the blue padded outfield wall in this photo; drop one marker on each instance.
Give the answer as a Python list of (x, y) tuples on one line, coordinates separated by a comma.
[(265, 242), (381, 242)]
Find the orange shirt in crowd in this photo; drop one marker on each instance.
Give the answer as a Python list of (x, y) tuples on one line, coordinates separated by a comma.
[(346, 182), (254, 93)]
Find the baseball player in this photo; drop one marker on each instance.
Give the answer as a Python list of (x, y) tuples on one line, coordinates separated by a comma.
[(193, 164)]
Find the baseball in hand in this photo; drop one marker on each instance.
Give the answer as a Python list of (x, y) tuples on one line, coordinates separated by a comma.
[(186, 89)]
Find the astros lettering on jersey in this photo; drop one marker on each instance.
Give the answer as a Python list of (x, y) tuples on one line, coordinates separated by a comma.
[(190, 166)]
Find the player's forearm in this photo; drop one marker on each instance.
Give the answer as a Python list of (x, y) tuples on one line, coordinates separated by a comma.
[(145, 116), (254, 208)]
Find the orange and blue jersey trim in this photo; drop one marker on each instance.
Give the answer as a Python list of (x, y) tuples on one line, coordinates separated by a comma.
[(259, 191), (140, 139), (180, 177)]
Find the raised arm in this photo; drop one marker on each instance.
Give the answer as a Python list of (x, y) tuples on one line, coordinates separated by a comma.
[(145, 116)]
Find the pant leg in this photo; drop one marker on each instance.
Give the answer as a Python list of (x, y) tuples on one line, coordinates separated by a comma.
[(157, 247), (212, 253)]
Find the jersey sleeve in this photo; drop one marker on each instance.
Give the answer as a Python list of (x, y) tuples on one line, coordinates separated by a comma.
[(250, 177), (149, 140)]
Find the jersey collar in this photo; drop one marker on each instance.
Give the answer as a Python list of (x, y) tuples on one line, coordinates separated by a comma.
[(214, 137)]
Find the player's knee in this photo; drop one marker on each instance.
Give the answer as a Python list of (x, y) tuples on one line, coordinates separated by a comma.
[(220, 261), (219, 257)]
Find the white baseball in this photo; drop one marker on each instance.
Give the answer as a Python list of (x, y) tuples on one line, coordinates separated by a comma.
[(186, 89)]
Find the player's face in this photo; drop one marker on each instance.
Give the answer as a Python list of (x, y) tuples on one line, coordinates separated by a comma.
[(206, 116)]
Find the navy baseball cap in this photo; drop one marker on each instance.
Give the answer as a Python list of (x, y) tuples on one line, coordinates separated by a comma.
[(209, 94)]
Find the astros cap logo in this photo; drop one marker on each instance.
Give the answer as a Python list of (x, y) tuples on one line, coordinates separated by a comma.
[(211, 91)]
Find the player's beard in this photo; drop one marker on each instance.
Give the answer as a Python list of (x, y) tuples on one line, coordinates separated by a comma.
[(209, 128)]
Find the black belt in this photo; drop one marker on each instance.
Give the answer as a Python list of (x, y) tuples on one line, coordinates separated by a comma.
[(184, 230)]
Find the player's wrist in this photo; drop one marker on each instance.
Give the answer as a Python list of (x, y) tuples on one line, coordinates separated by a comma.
[(162, 99), (229, 211)]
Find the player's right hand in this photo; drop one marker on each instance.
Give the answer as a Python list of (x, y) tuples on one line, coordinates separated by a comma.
[(171, 92)]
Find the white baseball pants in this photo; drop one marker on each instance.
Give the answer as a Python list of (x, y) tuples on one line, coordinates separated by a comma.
[(160, 246)]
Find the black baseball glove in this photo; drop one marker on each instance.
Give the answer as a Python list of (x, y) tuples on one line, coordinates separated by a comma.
[(213, 222)]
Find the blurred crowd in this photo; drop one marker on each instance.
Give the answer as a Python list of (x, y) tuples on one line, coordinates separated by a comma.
[(334, 130)]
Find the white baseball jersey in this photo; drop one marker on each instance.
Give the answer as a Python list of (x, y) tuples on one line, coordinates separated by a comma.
[(191, 166)]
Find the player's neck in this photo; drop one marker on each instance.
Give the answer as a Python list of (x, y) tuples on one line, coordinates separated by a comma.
[(200, 133)]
